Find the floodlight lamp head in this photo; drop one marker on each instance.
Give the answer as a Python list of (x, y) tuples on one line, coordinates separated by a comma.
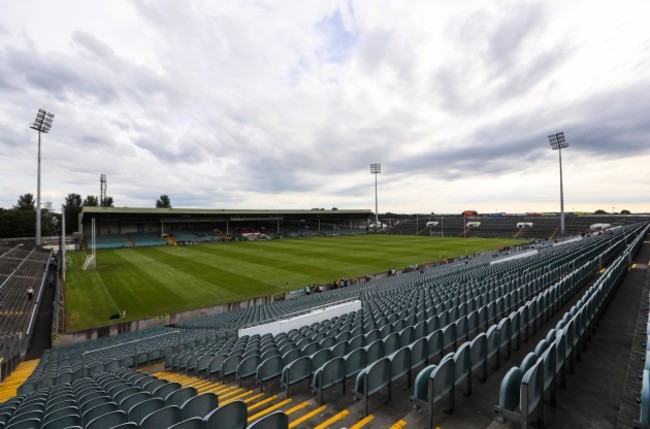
[(557, 141), (375, 168), (43, 121)]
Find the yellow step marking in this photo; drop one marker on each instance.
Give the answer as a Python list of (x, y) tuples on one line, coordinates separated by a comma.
[(265, 401), (269, 410), (340, 416), (211, 388), (235, 398), (232, 392), (364, 421), (296, 408), (252, 398), (400, 424), (307, 416), (224, 390)]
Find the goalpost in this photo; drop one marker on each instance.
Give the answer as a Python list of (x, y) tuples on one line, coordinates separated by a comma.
[(91, 259)]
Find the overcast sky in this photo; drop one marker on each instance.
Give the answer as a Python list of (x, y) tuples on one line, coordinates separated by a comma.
[(284, 104)]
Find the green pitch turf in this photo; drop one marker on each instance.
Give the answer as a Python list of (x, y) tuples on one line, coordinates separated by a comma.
[(151, 281)]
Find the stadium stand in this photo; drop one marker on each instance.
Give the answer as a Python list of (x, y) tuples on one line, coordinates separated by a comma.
[(543, 227), (22, 271), (431, 331), (111, 241), (146, 239)]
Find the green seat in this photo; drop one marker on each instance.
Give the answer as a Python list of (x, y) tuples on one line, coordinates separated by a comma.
[(371, 380), (107, 420), (199, 405), (233, 415), (162, 418), (328, 375), (275, 420), (463, 367), (296, 371), (269, 369)]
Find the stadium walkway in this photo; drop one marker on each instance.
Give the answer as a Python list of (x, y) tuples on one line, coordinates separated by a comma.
[(42, 335)]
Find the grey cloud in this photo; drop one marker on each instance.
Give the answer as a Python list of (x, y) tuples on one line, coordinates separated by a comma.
[(93, 45)]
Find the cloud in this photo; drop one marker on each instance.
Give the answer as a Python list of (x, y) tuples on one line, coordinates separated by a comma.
[(259, 104)]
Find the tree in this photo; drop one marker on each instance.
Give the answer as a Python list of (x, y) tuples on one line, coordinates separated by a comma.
[(625, 212), (25, 202), (163, 202), (91, 201), (17, 223), (600, 211), (72, 208), (108, 202)]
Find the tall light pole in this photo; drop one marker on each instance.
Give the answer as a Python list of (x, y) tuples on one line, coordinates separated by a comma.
[(376, 169), (42, 124), (558, 142)]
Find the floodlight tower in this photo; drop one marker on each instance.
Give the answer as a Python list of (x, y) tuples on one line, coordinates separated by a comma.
[(376, 169), (102, 190), (558, 142), (42, 124)]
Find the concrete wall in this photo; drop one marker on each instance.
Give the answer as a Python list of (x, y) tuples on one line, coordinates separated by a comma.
[(163, 320)]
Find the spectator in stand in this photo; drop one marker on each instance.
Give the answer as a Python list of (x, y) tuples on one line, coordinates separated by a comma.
[(30, 293)]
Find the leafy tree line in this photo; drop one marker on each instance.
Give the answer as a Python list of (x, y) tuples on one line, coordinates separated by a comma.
[(20, 220)]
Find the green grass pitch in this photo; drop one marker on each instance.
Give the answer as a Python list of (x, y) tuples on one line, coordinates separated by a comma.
[(151, 281)]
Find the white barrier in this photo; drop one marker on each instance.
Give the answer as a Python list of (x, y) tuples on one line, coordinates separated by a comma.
[(516, 256), (307, 319)]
